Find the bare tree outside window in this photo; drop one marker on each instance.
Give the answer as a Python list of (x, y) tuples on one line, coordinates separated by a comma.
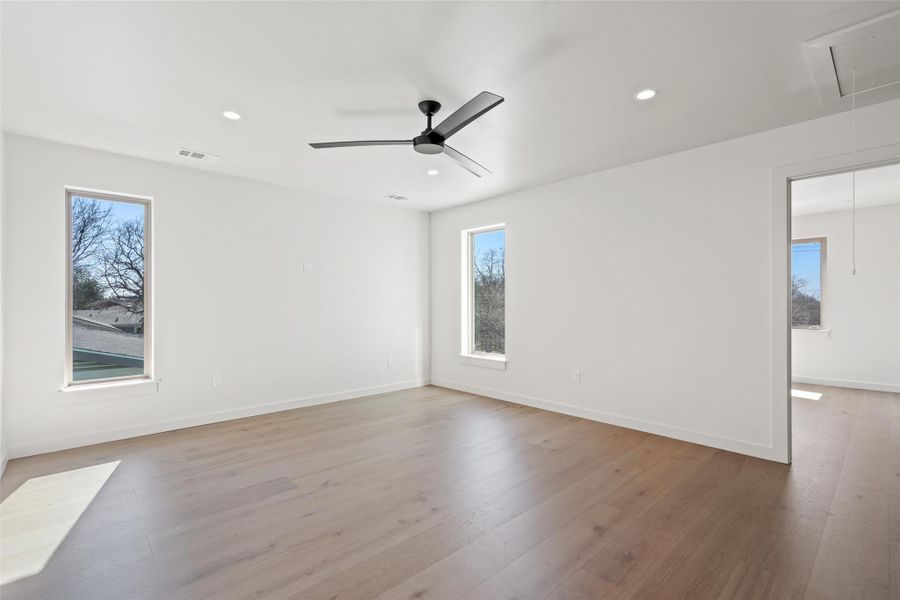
[(488, 292), (107, 305), (122, 265), (807, 260), (91, 222)]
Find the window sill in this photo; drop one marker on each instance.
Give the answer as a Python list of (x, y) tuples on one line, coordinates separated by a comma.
[(487, 361), (827, 331), (105, 385)]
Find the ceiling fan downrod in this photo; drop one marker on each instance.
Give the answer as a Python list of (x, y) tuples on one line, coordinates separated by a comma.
[(429, 142), (429, 108)]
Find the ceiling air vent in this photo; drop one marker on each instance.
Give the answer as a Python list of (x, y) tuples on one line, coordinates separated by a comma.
[(198, 155), (871, 48), (397, 197)]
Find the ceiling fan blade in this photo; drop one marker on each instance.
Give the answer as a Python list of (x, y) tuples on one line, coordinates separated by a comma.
[(466, 162), (467, 113), (361, 143)]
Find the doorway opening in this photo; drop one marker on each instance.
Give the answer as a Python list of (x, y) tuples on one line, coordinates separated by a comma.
[(844, 313)]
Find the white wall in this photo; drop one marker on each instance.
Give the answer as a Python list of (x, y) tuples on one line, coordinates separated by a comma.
[(655, 279), (3, 451), (859, 345), (230, 298)]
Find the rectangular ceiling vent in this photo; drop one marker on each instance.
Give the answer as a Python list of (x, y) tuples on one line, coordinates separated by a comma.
[(871, 49), (198, 155)]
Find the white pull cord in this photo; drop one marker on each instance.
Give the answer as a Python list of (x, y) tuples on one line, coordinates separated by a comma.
[(853, 228), (853, 173)]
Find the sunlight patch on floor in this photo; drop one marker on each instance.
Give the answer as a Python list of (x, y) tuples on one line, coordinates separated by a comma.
[(806, 395), (37, 517)]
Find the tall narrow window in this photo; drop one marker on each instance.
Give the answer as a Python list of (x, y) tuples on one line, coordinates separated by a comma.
[(108, 334), (807, 266), (485, 311)]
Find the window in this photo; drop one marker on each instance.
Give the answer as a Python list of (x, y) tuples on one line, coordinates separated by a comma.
[(484, 318), (108, 275), (807, 268)]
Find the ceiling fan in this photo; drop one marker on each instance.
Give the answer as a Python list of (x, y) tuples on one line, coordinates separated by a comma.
[(432, 139)]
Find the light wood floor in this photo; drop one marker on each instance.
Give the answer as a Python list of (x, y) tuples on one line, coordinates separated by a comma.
[(431, 493)]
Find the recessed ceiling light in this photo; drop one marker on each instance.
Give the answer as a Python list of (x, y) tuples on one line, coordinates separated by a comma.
[(231, 115), (432, 171), (645, 94)]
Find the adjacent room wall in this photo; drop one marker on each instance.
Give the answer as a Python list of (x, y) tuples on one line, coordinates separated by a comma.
[(230, 298), (654, 279), (859, 344)]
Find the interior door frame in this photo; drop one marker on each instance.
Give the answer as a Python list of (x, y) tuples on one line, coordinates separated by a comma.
[(782, 177)]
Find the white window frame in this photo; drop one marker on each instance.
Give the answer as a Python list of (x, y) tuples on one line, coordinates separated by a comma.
[(146, 202), (822, 265), (467, 301)]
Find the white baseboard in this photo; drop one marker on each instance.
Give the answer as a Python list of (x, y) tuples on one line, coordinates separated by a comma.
[(678, 433), (111, 435), (843, 383)]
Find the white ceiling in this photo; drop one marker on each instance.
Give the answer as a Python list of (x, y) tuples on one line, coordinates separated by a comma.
[(874, 187), (145, 78)]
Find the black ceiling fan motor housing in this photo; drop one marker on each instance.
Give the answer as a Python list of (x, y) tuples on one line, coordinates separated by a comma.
[(428, 142)]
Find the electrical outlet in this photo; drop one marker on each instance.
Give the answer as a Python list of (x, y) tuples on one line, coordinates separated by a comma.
[(390, 362), (576, 375), (217, 380)]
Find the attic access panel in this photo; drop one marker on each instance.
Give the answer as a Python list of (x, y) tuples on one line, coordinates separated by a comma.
[(871, 47)]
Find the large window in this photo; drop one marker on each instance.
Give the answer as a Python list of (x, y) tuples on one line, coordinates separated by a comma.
[(485, 302), (108, 336), (807, 267)]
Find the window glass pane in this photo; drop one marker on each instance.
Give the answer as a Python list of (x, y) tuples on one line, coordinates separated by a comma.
[(107, 288), (488, 293), (806, 284)]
